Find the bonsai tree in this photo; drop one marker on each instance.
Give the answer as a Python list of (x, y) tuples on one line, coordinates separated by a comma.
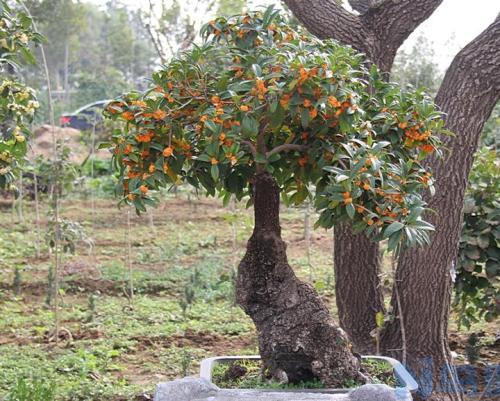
[(17, 101), (261, 110)]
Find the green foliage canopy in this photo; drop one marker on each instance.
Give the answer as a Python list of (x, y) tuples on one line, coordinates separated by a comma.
[(477, 293), (258, 96)]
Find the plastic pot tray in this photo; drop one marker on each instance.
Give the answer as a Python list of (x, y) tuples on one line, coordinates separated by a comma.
[(403, 378)]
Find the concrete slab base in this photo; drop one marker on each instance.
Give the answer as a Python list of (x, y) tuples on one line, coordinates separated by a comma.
[(200, 389)]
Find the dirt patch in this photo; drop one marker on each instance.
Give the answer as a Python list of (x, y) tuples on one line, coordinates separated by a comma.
[(488, 353), (10, 339), (214, 343), (477, 380), (71, 286)]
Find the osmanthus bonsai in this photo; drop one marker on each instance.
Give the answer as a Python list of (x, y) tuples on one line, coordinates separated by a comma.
[(260, 110)]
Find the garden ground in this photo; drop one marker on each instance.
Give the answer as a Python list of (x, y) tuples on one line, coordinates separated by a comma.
[(184, 254)]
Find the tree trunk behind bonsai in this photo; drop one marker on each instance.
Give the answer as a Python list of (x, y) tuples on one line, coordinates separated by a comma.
[(375, 33), (468, 94), (357, 268), (298, 339)]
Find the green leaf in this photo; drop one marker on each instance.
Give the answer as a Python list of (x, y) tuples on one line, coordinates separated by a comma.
[(394, 240), (341, 177), (277, 117), (214, 172), (204, 158), (104, 145), (249, 126), (257, 70), (350, 210), (305, 118), (379, 319), (483, 241), (211, 126), (260, 158), (473, 253), (392, 228)]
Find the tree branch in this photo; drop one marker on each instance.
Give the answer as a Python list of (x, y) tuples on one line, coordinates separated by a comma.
[(250, 146), (287, 147), (391, 23), (470, 90), (327, 19), (378, 33)]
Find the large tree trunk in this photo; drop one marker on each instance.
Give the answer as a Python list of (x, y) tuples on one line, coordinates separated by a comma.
[(468, 94), (297, 336), (356, 266), (378, 32)]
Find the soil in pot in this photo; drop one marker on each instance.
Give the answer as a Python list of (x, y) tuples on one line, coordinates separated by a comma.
[(247, 373)]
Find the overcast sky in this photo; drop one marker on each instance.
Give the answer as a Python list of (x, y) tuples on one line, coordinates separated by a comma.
[(454, 24)]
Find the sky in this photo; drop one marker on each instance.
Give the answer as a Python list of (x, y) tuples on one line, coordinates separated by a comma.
[(454, 24)]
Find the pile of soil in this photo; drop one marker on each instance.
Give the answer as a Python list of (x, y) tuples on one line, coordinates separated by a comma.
[(42, 143)]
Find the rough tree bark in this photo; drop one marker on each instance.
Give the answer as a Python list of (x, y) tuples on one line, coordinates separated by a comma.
[(378, 32), (357, 272), (298, 338), (468, 94)]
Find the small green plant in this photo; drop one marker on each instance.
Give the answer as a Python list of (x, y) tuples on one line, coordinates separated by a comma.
[(91, 312), (69, 233), (32, 390), (188, 298), (17, 282), (189, 293), (473, 348), (50, 286), (186, 361)]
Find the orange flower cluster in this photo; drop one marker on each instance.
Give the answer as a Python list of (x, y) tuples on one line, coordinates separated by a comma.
[(285, 99), (232, 158), (159, 114), (416, 135), (332, 100), (145, 138), (347, 197), (139, 103), (427, 148), (425, 178), (167, 152), (304, 75), (260, 88), (128, 115)]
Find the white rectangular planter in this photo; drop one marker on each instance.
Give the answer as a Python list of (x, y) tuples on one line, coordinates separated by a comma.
[(405, 381)]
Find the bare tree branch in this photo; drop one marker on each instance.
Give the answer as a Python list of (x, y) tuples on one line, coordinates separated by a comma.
[(250, 146), (379, 32), (287, 147), (327, 19), (391, 23)]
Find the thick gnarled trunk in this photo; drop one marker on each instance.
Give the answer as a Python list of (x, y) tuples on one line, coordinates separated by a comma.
[(298, 339)]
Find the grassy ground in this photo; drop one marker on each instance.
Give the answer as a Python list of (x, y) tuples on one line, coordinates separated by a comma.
[(114, 348)]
